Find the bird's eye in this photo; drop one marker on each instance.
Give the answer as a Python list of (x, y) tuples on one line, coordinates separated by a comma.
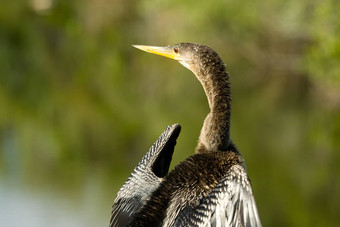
[(176, 50)]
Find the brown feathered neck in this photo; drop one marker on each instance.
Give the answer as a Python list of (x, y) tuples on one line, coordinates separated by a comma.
[(211, 72)]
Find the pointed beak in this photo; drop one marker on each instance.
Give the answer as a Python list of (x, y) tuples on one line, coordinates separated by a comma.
[(163, 51)]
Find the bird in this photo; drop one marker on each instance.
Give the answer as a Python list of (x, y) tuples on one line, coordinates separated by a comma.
[(210, 187), (145, 178)]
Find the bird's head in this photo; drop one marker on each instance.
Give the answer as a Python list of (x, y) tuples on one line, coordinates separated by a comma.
[(196, 57)]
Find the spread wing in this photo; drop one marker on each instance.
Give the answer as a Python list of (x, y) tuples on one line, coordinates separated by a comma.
[(145, 178), (230, 203)]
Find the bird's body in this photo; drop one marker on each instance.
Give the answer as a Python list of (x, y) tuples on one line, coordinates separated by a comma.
[(184, 187), (210, 188)]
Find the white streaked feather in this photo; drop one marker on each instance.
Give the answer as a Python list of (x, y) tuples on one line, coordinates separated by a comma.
[(138, 188)]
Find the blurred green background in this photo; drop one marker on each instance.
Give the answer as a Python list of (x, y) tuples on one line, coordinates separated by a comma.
[(79, 106)]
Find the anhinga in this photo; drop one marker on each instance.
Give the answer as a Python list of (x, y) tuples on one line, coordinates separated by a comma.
[(210, 188)]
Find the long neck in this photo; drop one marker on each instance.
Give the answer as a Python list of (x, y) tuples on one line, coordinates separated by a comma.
[(215, 135)]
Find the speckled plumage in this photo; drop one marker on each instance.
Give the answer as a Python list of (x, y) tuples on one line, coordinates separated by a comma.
[(190, 181)]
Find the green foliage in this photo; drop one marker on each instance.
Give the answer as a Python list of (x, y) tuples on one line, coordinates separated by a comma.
[(323, 58), (78, 102)]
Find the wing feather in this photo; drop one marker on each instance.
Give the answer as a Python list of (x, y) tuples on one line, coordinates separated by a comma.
[(138, 188), (230, 203)]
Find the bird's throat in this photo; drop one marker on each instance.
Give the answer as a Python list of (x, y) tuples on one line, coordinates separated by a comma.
[(215, 134)]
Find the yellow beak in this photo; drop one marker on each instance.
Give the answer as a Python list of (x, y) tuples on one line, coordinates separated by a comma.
[(163, 51)]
